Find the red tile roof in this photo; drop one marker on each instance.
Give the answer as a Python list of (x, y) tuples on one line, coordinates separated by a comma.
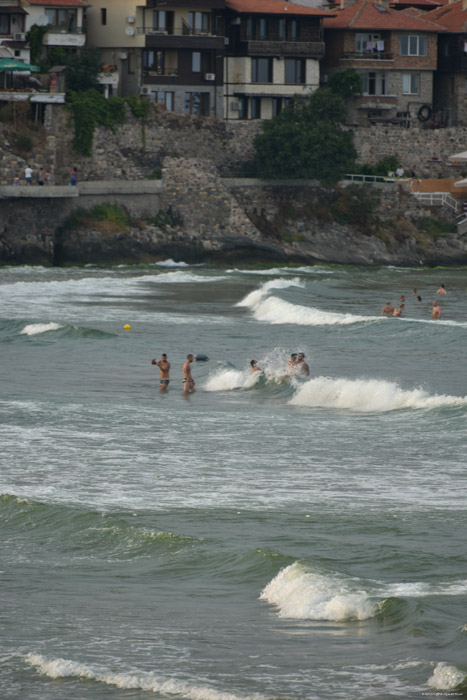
[(59, 3), (275, 7), (452, 17), (370, 15)]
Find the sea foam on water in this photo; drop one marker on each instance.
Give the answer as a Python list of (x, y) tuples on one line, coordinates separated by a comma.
[(38, 328), (305, 595), (446, 677), (64, 668), (367, 395)]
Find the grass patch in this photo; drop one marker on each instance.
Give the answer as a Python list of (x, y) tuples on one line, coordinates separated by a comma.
[(434, 227), (107, 218)]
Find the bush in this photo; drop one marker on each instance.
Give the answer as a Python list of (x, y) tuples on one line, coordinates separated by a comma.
[(434, 227), (111, 214)]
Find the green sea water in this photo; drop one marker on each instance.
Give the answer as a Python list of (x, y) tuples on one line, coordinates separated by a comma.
[(266, 537)]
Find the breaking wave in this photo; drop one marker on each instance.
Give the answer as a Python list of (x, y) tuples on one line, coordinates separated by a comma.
[(38, 328), (446, 677), (367, 396)]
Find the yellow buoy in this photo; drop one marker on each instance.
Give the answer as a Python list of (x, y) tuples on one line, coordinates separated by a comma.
[(127, 326)]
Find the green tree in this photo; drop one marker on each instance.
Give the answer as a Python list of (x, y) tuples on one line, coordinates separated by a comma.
[(347, 83), (306, 140)]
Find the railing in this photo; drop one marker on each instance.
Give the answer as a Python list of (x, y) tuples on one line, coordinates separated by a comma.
[(367, 178), (367, 56), (63, 30), (184, 30), (462, 225), (433, 199)]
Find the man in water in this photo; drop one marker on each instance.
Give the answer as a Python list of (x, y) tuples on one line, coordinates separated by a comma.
[(441, 291), (398, 311), (164, 367), (436, 313), (291, 365), (388, 309), (188, 381), (254, 366), (302, 367)]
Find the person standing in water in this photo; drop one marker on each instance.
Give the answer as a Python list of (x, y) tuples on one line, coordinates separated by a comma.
[(164, 367), (254, 366), (441, 292), (302, 367), (387, 309), (188, 381), (436, 313)]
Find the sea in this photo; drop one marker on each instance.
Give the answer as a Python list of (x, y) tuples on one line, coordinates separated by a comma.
[(270, 536)]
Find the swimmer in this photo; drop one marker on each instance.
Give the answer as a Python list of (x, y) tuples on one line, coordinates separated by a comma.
[(291, 365), (188, 381), (398, 311), (388, 309), (436, 313), (441, 291), (164, 367), (415, 291), (254, 366), (302, 367), (402, 299), (419, 298)]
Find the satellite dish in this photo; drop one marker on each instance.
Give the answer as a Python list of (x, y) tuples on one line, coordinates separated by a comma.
[(129, 31), (42, 21)]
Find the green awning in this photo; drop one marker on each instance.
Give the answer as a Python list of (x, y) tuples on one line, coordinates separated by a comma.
[(11, 64)]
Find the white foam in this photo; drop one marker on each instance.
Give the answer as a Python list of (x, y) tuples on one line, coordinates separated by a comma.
[(304, 595), (171, 263), (367, 395), (231, 379), (275, 311), (254, 298), (180, 277), (65, 668), (446, 677), (38, 328)]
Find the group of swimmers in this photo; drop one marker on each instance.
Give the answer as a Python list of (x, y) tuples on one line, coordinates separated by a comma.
[(389, 310), (295, 366), (164, 366)]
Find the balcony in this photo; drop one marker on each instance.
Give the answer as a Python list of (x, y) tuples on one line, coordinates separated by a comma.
[(296, 49), (367, 56), (180, 39), (57, 36), (453, 64)]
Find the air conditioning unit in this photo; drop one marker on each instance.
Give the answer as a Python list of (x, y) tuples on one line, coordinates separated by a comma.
[(123, 56), (144, 90), (209, 76), (130, 20), (236, 106), (19, 37)]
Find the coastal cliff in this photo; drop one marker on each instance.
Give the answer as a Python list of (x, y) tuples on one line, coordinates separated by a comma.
[(198, 211)]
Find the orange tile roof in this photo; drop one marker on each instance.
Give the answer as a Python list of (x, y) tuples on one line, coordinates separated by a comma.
[(452, 17), (367, 14), (275, 7), (59, 3)]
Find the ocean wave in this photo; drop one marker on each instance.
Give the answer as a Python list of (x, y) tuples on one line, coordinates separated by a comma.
[(180, 277), (446, 677), (231, 379), (254, 298), (38, 328), (304, 595), (367, 396), (276, 311), (65, 668), (171, 263)]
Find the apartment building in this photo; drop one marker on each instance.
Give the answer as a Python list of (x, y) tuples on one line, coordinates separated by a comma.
[(171, 52), (64, 21), (273, 52), (395, 53), (12, 30)]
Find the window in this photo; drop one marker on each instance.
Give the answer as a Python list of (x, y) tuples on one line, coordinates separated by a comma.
[(63, 19), (256, 107), (261, 70), (159, 20), (263, 29), (243, 111), (294, 70), (293, 30), (413, 45), (197, 103), (281, 30), (199, 22), (373, 82), (165, 99), (366, 43), (4, 24), (153, 62), (196, 61), (410, 83), (103, 15), (276, 106)]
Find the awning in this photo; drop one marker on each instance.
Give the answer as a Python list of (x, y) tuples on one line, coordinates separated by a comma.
[(11, 64), (461, 183), (458, 156), (12, 10)]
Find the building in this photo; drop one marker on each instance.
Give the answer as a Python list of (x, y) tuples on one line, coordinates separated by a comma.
[(12, 31), (273, 52), (450, 85), (395, 53), (172, 52), (63, 22)]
